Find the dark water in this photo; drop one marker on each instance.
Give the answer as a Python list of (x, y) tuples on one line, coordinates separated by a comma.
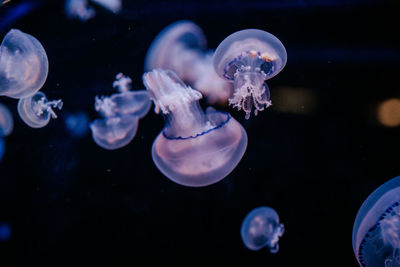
[(314, 161)]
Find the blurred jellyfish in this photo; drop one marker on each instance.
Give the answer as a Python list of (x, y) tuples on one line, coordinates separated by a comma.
[(80, 8), (248, 58), (261, 228), (6, 121), (5, 231), (194, 148), (77, 124), (121, 113), (36, 110), (23, 65), (181, 47), (376, 230), (2, 148)]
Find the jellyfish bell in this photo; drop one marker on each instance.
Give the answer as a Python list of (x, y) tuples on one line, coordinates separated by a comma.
[(23, 65), (194, 148), (181, 47), (261, 228), (37, 110), (376, 230), (6, 121), (114, 132), (248, 58)]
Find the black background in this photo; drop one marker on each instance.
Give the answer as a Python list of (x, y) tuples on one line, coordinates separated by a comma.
[(69, 198)]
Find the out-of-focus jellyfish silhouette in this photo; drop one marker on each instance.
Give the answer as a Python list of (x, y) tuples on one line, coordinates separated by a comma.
[(121, 113), (248, 58), (80, 8), (181, 47), (194, 148), (36, 110), (261, 228), (23, 65), (5, 232), (6, 121), (376, 230), (2, 147), (77, 124)]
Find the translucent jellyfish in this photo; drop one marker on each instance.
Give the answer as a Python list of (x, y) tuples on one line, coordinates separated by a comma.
[(261, 228), (36, 110), (77, 124), (248, 58), (194, 148), (6, 121), (2, 148), (376, 230), (114, 132), (80, 8), (181, 48), (23, 65), (5, 231)]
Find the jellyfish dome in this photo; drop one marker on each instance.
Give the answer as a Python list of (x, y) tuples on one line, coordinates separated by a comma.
[(261, 228), (23, 65), (194, 148), (36, 110), (376, 230), (248, 58), (6, 121), (181, 47)]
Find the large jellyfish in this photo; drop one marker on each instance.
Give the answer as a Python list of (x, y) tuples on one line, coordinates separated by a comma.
[(6, 121), (181, 47), (121, 113), (376, 230), (194, 148), (23, 65), (36, 110), (261, 228), (248, 58)]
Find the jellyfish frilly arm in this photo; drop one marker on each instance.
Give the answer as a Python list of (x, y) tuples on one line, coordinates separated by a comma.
[(278, 232)]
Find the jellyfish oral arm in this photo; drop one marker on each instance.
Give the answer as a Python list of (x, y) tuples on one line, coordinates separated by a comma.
[(48, 107)]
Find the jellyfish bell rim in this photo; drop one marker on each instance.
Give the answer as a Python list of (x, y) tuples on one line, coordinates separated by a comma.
[(28, 117), (222, 58), (39, 51), (159, 50), (365, 213), (220, 172)]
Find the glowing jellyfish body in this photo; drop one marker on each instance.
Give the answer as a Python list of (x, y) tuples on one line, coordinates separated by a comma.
[(2, 148), (248, 58), (261, 228), (194, 148), (6, 121), (5, 231), (23, 65), (36, 110), (121, 113), (376, 230), (80, 8), (77, 124), (181, 48)]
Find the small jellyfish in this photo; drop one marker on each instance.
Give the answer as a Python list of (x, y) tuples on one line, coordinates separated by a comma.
[(248, 58), (2, 148), (36, 110), (261, 228), (376, 230), (77, 124), (23, 65), (6, 121), (181, 47), (80, 8), (5, 231), (114, 132), (194, 148)]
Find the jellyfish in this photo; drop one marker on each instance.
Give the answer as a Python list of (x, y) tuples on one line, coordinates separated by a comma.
[(6, 121), (36, 110), (261, 228), (23, 65), (248, 58), (5, 231), (77, 124), (194, 148), (121, 113), (2, 148), (80, 8), (181, 47), (376, 230)]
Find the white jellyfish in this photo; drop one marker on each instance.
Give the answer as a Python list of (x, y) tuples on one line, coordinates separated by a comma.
[(80, 8), (36, 110), (6, 121), (248, 58), (181, 47), (23, 65)]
